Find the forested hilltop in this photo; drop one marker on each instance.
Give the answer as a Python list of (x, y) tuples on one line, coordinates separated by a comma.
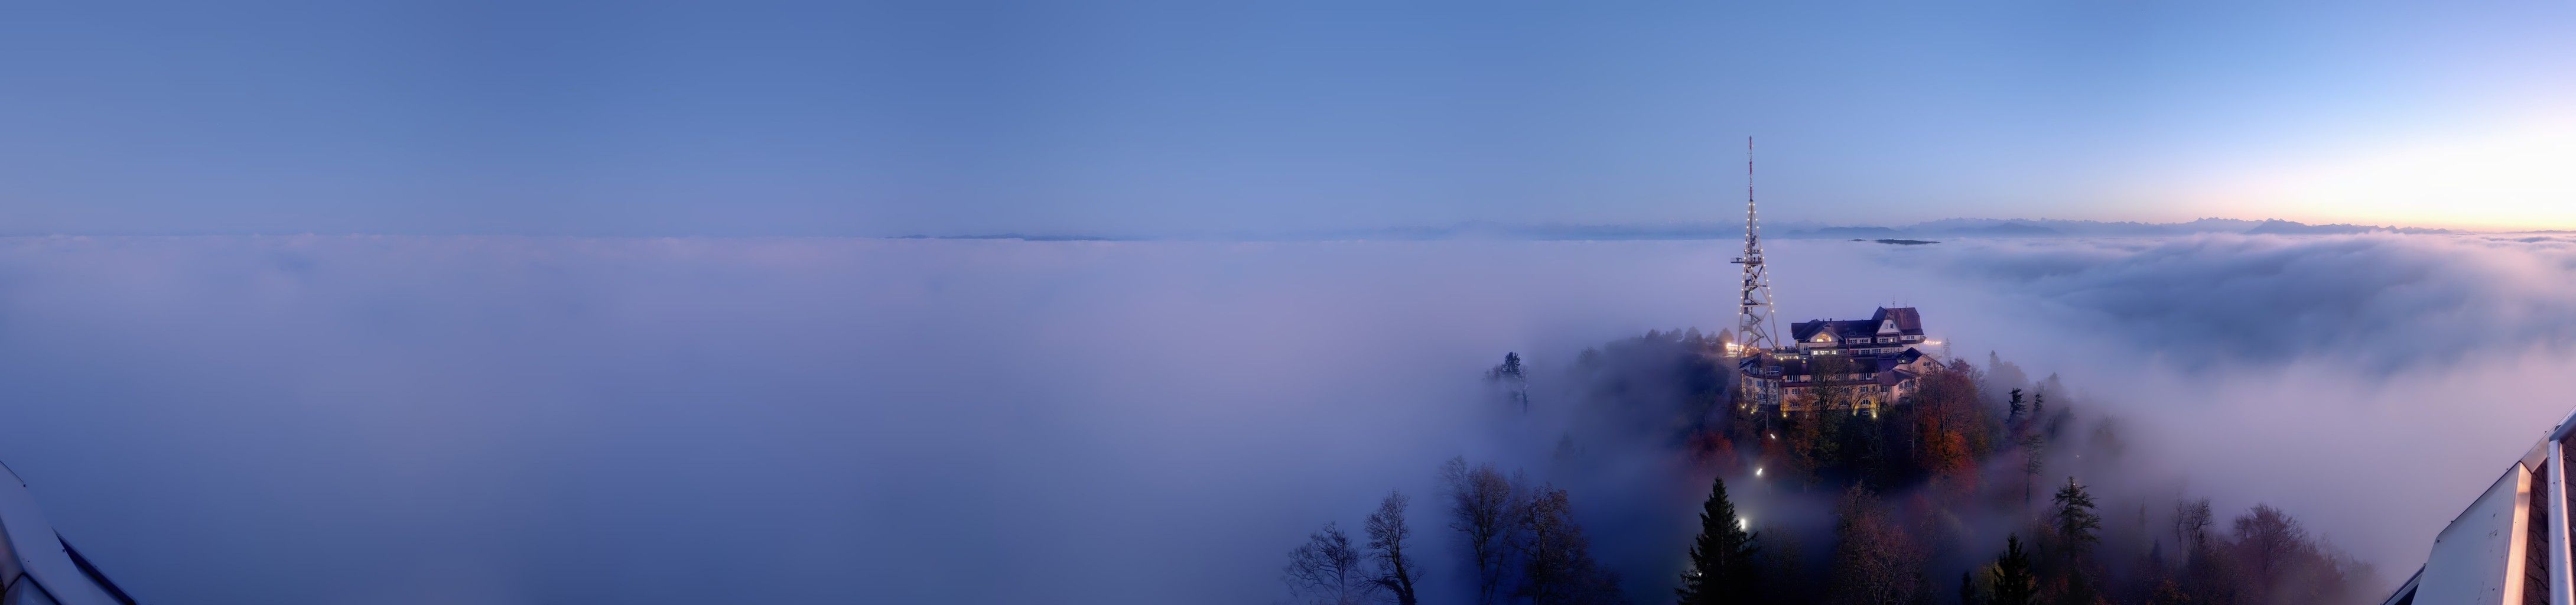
[(1639, 476)]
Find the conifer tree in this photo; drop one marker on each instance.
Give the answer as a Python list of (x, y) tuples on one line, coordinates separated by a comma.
[(2013, 418), (2014, 584), (2076, 521), (1721, 558), (1513, 378), (1511, 367)]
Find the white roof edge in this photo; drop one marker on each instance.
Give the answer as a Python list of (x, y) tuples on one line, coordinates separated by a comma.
[(40, 551), (2565, 425), (2508, 475)]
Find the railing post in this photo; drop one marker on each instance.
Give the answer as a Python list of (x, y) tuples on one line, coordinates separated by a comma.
[(2559, 579)]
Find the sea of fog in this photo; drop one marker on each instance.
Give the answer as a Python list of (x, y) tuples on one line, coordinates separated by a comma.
[(529, 420)]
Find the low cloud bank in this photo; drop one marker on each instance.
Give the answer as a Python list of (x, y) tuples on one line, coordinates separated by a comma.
[(2390, 302), (260, 420), (315, 419), (2370, 384)]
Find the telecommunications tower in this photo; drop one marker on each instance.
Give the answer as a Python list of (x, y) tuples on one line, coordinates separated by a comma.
[(1753, 321)]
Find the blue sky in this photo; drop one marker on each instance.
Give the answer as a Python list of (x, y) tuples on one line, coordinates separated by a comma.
[(638, 118)]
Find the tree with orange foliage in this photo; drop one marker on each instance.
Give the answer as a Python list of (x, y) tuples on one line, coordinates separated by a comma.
[(1713, 449), (1950, 426)]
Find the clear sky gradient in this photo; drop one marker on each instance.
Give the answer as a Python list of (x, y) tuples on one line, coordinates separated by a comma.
[(737, 118)]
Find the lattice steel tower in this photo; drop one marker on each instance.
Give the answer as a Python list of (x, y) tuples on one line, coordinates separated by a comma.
[(1753, 322)]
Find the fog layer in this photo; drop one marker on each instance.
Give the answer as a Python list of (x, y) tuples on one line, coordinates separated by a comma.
[(256, 420)]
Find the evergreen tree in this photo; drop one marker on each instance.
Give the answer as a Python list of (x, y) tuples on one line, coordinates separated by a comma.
[(1721, 568), (2013, 418), (2014, 584), (1967, 588), (1514, 379), (2076, 521)]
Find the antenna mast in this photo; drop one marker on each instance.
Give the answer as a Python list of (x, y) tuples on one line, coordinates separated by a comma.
[(1753, 321)]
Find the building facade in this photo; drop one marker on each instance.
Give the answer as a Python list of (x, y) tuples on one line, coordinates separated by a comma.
[(2510, 546), (1857, 365)]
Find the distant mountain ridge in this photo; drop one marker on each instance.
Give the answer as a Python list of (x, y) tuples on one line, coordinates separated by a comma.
[(1944, 228), (1961, 227), (2291, 228)]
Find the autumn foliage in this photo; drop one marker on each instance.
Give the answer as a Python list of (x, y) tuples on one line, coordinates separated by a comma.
[(1978, 487)]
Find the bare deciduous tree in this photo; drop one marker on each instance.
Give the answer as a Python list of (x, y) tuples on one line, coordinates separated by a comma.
[(1482, 504), (1835, 386), (2191, 523), (1557, 567), (2034, 457), (2269, 541), (1326, 570), (1387, 533), (1875, 562)]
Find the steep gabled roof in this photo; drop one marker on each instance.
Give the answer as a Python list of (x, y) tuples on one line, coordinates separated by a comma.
[(1907, 320), (1806, 330)]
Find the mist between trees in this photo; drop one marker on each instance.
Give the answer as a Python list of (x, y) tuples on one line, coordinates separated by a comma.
[(1647, 479)]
